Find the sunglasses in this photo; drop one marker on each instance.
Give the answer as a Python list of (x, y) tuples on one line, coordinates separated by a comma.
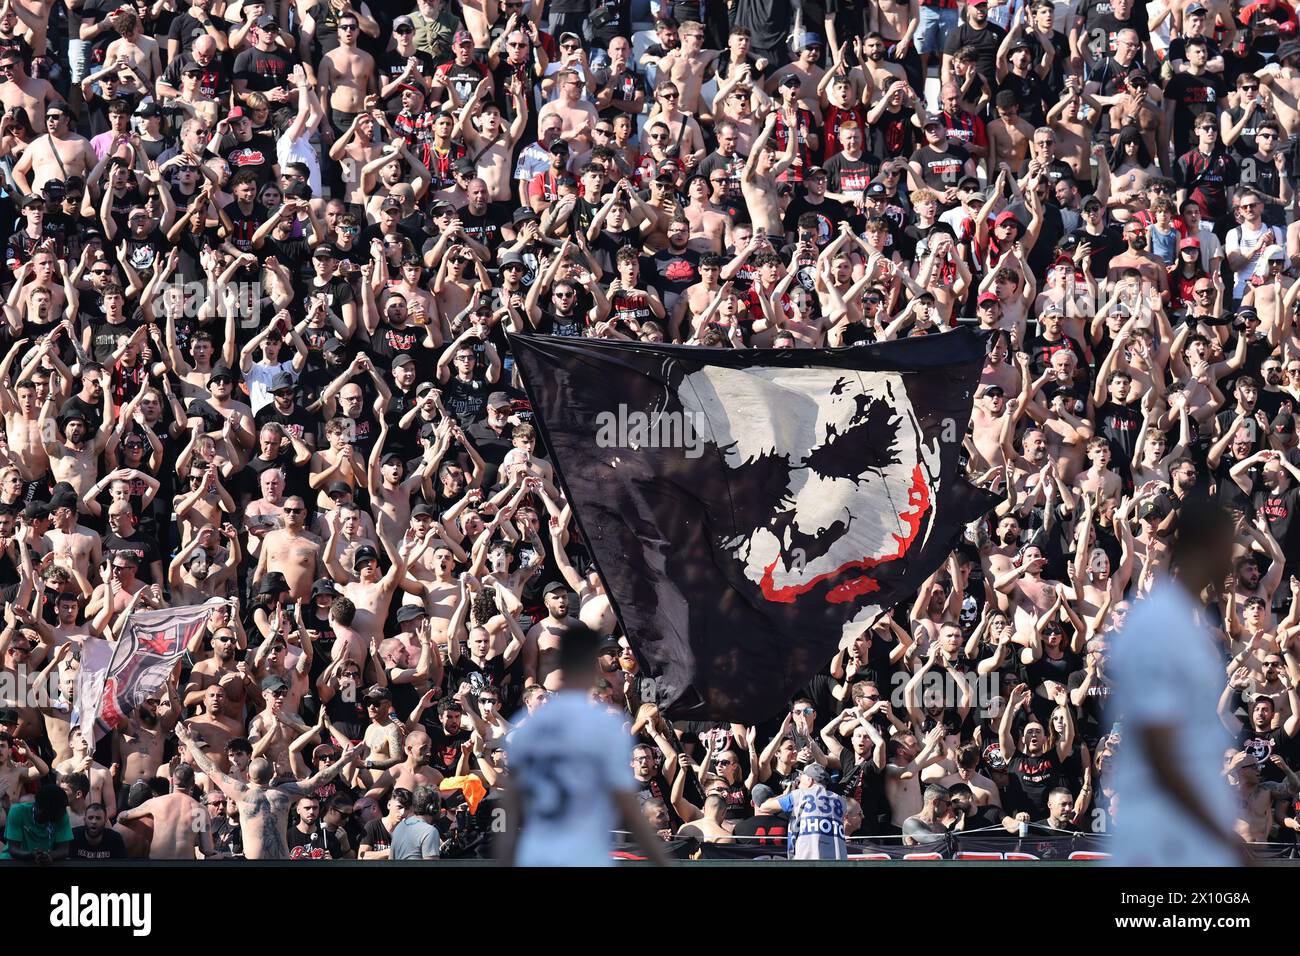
[(294, 511)]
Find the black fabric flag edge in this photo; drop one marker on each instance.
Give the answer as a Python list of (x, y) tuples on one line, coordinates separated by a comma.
[(649, 504)]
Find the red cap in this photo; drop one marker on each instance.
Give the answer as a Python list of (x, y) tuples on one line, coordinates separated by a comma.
[(987, 297), (1005, 215), (1191, 242), (1063, 260)]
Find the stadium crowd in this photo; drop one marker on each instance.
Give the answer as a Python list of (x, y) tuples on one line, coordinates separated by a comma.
[(262, 263)]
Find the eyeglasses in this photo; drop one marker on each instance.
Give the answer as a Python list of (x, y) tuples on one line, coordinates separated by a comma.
[(101, 272), (347, 26), (294, 511), (803, 710), (562, 295), (279, 693), (570, 46), (1248, 205), (517, 45), (724, 763), (602, 130), (668, 96), (1263, 135), (1250, 89), (404, 29)]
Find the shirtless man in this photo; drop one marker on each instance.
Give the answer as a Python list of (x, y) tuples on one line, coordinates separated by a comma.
[(372, 592), (708, 220), (492, 143), (222, 671), (758, 179), (139, 743), (22, 414), (20, 91), (214, 726), (1098, 479), (346, 75), (412, 772), (263, 809), (906, 760), (134, 47), (175, 836), (15, 777), (338, 462), (58, 154), (1009, 134), (83, 761), (683, 130), (75, 459), (354, 149), (1028, 594), (390, 491), (993, 422), (292, 551), (686, 67), (207, 502), (73, 545), (275, 727), (1283, 86), (577, 116)]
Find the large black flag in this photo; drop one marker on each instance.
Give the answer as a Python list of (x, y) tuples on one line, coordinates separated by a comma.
[(746, 508)]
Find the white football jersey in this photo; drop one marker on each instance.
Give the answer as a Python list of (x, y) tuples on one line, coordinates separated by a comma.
[(568, 759)]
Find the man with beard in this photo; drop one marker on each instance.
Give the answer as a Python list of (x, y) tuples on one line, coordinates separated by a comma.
[(412, 772), (1275, 496), (1153, 270), (74, 459), (194, 575), (1250, 240), (263, 809), (124, 535), (139, 743), (542, 651), (224, 671), (93, 840)]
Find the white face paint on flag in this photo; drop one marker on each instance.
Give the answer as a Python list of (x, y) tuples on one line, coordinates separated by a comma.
[(824, 525)]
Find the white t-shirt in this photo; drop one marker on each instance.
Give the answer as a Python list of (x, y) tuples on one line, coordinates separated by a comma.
[(1165, 670), (1246, 240), (300, 150), (259, 382), (568, 759)]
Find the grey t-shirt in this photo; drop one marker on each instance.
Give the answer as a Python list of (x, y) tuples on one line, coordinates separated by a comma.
[(413, 839)]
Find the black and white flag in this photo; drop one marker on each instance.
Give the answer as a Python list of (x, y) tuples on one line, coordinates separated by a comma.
[(747, 508)]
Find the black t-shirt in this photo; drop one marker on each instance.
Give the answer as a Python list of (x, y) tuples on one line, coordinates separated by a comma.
[(844, 175), (1191, 96), (376, 835), (314, 844), (1279, 510), (479, 676), (466, 400), (446, 747), (764, 831), (1031, 780), (259, 155), (1263, 746), (1119, 424), (985, 41), (263, 70), (672, 273), (143, 547), (1091, 716), (941, 170), (111, 846)]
